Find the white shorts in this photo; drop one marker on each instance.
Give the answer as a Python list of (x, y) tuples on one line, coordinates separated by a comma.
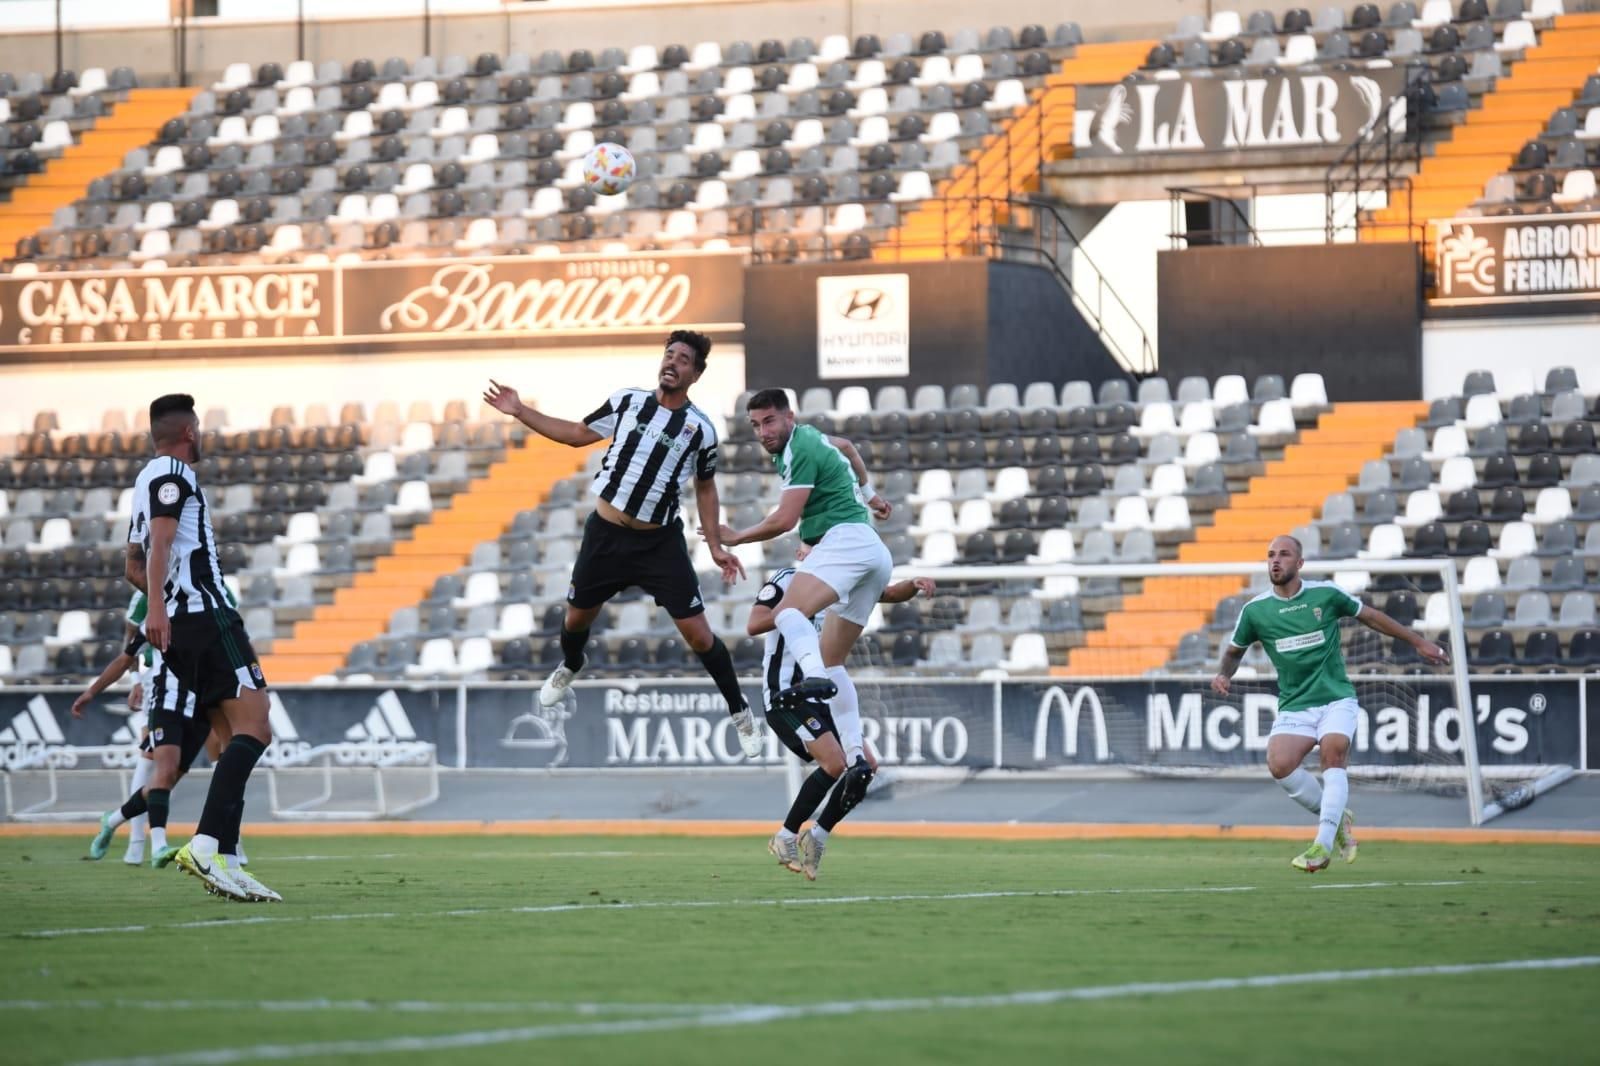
[(1339, 717), (851, 560)]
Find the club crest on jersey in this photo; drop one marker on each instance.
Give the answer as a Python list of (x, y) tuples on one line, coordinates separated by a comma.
[(168, 493), (1317, 613), (255, 672), (157, 734), (814, 724)]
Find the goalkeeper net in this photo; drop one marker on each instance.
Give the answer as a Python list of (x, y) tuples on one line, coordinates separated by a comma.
[(1109, 668)]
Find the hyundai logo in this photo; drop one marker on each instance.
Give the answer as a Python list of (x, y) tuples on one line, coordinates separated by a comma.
[(864, 305)]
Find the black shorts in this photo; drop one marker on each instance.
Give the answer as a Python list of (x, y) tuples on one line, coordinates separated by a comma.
[(797, 726), (208, 660), (188, 734), (613, 558)]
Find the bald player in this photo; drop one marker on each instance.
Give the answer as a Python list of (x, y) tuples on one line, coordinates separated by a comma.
[(1297, 623)]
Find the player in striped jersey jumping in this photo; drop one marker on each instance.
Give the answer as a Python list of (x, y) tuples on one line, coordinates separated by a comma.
[(634, 536)]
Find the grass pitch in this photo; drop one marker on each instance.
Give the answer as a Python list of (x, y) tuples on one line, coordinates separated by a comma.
[(677, 950)]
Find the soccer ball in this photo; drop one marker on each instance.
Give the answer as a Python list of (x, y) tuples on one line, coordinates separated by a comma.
[(608, 169)]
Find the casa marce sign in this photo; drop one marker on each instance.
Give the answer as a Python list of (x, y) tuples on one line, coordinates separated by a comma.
[(371, 305)]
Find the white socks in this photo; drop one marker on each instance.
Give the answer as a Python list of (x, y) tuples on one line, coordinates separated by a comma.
[(238, 853), (820, 833), (158, 838), (801, 636), (1335, 793), (846, 710), (203, 847), (138, 827), (784, 834), (1303, 788), (114, 817)]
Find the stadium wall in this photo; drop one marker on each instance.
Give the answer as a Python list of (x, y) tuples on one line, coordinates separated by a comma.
[(969, 321), (1287, 310), (1519, 351), (568, 382), (560, 24)]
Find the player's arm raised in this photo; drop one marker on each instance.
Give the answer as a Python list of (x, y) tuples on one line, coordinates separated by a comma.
[(1375, 619), (790, 506), (880, 507), (504, 398)]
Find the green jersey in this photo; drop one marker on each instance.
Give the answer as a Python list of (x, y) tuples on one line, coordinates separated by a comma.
[(138, 607), (810, 461), (1301, 637)]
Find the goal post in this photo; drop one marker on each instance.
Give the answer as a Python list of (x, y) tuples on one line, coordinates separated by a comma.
[(1122, 631)]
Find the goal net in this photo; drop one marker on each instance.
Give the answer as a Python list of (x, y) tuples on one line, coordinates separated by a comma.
[(1107, 670)]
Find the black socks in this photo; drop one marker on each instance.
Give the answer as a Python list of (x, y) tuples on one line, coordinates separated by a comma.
[(136, 805), (572, 647), (224, 808), (719, 664), (157, 800), (812, 789)]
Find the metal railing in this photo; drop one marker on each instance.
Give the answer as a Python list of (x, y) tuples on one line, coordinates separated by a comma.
[(1226, 197), (1378, 164)]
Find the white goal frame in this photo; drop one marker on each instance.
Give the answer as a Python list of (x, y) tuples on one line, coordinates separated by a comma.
[(1443, 569)]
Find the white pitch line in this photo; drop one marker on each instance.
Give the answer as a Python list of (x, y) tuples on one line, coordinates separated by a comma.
[(795, 901), (757, 1014), (364, 1006), (571, 908)]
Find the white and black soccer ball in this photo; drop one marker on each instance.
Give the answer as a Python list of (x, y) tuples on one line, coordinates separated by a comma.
[(608, 169)]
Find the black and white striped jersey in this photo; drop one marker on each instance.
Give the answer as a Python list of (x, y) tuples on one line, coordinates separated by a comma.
[(778, 668), (653, 451), (167, 488)]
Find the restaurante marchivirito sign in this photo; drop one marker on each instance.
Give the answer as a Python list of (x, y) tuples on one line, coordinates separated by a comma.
[(375, 304)]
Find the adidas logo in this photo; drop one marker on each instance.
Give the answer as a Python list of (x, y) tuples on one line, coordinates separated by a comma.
[(33, 731), (129, 732), (278, 718), (34, 724), (386, 722), (695, 602)]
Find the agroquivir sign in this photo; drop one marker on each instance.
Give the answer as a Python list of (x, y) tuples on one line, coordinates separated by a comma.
[(376, 305)]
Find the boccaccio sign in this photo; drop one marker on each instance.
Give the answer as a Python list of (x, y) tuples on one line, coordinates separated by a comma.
[(371, 305)]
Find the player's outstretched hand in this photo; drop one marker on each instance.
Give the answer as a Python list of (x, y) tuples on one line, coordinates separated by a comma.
[(1432, 653), (925, 585), (726, 534), (79, 704), (1220, 685), (502, 398), (732, 569), (881, 508)]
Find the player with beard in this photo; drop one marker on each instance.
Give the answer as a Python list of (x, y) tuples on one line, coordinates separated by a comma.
[(634, 537), (1297, 623)]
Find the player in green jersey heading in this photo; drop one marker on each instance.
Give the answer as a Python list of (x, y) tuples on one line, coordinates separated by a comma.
[(824, 483), (1297, 623)]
